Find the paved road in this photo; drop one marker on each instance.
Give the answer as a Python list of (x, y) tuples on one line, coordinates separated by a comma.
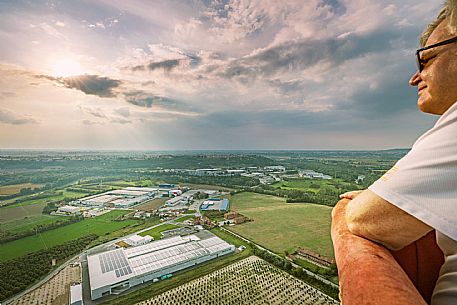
[(83, 258)]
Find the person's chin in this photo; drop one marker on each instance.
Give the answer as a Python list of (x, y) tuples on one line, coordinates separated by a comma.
[(423, 105)]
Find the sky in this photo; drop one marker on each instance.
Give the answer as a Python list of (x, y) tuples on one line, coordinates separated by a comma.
[(183, 75)]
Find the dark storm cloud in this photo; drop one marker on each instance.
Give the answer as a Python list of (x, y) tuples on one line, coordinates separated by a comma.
[(7, 117)]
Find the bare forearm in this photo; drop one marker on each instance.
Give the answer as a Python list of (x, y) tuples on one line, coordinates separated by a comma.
[(372, 217)]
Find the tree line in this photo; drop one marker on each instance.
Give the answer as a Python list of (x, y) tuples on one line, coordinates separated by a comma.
[(19, 273), (297, 272), (7, 236)]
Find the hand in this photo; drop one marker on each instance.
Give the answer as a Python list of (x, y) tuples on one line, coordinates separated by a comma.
[(350, 195)]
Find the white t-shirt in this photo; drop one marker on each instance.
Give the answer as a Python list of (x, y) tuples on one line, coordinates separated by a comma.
[(424, 184)]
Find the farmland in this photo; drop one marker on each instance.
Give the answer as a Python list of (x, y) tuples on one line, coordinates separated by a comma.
[(100, 226), (16, 188), (250, 281), (151, 204), (281, 227)]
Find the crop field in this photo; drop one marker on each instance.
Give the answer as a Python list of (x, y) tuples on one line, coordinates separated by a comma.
[(56, 291), (280, 226), (100, 226), (153, 204), (250, 281), (155, 232), (16, 188), (20, 212), (28, 222)]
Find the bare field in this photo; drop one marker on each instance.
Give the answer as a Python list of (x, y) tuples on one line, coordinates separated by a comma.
[(16, 188), (56, 291), (19, 212), (153, 204), (250, 281)]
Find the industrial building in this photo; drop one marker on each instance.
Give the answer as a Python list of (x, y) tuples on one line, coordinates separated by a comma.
[(115, 271), (76, 294), (215, 204), (137, 240), (123, 198)]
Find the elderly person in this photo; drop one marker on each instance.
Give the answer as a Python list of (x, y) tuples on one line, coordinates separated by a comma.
[(418, 194)]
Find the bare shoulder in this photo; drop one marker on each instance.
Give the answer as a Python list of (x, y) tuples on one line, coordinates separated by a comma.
[(374, 218)]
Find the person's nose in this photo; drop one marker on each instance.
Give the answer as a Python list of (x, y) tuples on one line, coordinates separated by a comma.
[(415, 79)]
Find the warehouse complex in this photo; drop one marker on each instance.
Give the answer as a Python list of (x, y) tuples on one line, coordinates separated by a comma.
[(215, 204), (115, 271)]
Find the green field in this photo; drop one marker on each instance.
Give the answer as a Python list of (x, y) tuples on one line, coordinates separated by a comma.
[(28, 222), (184, 218), (100, 226), (155, 232), (313, 185), (281, 227)]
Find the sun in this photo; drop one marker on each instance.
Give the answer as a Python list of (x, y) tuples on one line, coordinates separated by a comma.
[(65, 67)]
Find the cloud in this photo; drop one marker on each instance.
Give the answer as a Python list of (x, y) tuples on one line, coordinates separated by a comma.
[(123, 111), (120, 121), (89, 84), (96, 112), (8, 117), (167, 65), (92, 84), (148, 100)]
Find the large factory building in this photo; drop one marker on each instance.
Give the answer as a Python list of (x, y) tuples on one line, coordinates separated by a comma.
[(115, 271)]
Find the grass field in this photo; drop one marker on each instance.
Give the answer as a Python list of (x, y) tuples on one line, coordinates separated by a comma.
[(101, 225), (313, 185), (16, 188), (28, 222), (153, 204), (283, 227), (184, 218), (155, 232)]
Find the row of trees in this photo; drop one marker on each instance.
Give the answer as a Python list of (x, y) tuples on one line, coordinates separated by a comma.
[(297, 272), (7, 236), (227, 181), (325, 196), (19, 273)]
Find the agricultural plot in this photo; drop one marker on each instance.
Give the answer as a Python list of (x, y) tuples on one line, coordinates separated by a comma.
[(28, 222), (20, 212), (280, 226), (55, 291), (16, 188), (100, 226), (153, 204), (250, 281)]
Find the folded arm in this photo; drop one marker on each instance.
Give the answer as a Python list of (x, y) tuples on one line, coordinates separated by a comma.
[(374, 218)]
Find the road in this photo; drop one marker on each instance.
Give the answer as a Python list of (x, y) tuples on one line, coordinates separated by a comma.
[(317, 276), (82, 257)]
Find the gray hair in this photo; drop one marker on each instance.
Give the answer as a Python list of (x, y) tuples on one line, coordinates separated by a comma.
[(449, 10)]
